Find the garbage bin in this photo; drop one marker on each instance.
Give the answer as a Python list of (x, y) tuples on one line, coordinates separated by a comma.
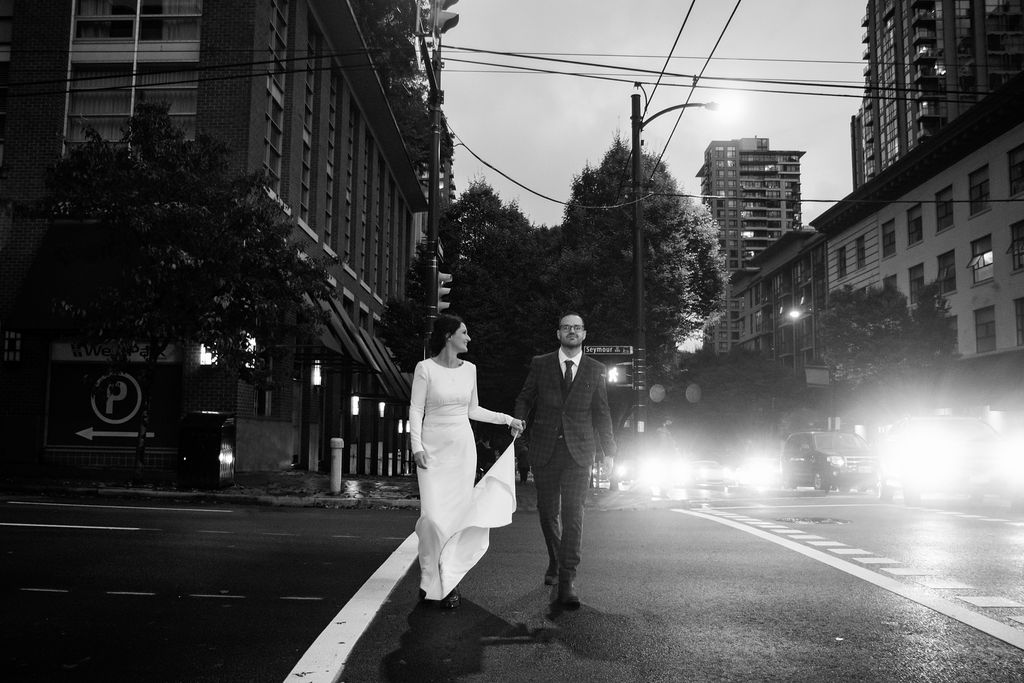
[(206, 450)]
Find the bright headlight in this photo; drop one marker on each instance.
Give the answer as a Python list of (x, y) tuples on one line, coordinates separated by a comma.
[(836, 460)]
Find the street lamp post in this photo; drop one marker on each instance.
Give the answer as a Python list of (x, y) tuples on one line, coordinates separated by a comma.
[(640, 324)]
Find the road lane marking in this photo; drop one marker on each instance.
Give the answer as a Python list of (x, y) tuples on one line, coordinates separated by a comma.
[(299, 597), (875, 560), (45, 590), (989, 601), (849, 551), (75, 526), (1004, 632), (326, 657), (216, 595), (826, 544), (144, 594), (909, 571), (944, 584), (113, 507)]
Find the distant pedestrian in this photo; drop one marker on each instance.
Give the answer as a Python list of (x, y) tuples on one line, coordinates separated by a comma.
[(565, 403), (444, 400)]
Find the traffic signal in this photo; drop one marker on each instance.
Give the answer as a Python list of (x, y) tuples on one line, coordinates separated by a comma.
[(620, 373), (440, 19), (443, 288)]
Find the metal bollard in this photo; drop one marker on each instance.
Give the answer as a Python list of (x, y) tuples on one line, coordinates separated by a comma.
[(337, 453)]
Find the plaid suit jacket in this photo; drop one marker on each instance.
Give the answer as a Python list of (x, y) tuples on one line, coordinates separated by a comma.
[(582, 417)]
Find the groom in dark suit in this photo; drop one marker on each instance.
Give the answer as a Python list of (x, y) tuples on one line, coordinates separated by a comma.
[(566, 401)]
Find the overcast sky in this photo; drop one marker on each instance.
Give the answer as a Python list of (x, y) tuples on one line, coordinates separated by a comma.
[(543, 129)]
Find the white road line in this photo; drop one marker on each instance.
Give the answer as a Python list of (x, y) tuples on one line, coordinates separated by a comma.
[(875, 560), (45, 590), (326, 657), (76, 526), (989, 601), (943, 584), (1004, 632), (299, 597), (216, 595), (909, 571), (113, 507), (144, 594)]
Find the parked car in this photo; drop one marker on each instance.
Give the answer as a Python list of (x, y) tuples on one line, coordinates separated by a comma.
[(946, 454), (827, 460)]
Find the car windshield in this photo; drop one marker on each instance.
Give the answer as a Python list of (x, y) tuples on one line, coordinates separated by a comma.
[(836, 442), (959, 430)]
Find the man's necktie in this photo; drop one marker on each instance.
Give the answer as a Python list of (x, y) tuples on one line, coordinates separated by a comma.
[(568, 374)]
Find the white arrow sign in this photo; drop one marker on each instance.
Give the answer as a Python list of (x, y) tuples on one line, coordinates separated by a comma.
[(89, 433)]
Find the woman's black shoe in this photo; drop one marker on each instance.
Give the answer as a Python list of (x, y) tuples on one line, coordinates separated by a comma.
[(452, 600)]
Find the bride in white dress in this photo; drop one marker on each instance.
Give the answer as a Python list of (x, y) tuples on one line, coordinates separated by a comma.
[(455, 516)]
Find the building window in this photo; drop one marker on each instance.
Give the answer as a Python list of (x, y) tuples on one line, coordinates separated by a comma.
[(12, 346), (102, 96), (1018, 313), (841, 261), (915, 225), (947, 272), (888, 238), (330, 234), (159, 20), (889, 282), (861, 252), (306, 170), (979, 190), (273, 136), (1016, 249), (985, 329), (981, 259), (943, 209), (1016, 158), (916, 275)]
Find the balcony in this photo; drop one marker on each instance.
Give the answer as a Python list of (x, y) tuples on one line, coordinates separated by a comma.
[(924, 18), (924, 53), (924, 35)]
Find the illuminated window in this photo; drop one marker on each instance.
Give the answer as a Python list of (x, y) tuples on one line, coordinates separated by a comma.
[(981, 259)]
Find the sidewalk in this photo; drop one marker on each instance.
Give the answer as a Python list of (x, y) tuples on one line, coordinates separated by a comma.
[(295, 488)]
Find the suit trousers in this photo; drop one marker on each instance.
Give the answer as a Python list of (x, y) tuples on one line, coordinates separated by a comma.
[(561, 490)]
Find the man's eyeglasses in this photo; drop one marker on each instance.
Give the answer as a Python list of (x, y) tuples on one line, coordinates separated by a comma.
[(571, 328)]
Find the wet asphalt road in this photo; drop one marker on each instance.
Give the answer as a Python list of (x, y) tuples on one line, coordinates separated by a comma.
[(728, 588)]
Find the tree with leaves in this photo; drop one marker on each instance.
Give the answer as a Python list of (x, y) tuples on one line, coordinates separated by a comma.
[(389, 29), (883, 350), (684, 273), (205, 254)]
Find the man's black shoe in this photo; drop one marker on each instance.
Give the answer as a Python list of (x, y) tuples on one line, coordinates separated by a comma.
[(567, 595)]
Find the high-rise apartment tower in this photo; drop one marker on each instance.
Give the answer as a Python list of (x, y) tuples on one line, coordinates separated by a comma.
[(928, 61), (753, 192)]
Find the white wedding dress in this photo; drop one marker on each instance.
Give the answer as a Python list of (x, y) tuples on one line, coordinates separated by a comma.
[(455, 516)]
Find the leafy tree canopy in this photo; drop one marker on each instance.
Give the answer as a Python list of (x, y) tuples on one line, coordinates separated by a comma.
[(204, 254), (684, 272)]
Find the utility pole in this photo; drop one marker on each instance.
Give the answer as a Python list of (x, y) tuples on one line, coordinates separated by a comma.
[(439, 21)]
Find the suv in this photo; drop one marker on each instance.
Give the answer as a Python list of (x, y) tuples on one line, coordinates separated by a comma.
[(827, 460), (945, 454)]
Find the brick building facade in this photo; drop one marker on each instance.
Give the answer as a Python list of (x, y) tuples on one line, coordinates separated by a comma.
[(289, 87)]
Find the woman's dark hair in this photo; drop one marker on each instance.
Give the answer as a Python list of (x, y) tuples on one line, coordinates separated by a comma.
[(445, 325)]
